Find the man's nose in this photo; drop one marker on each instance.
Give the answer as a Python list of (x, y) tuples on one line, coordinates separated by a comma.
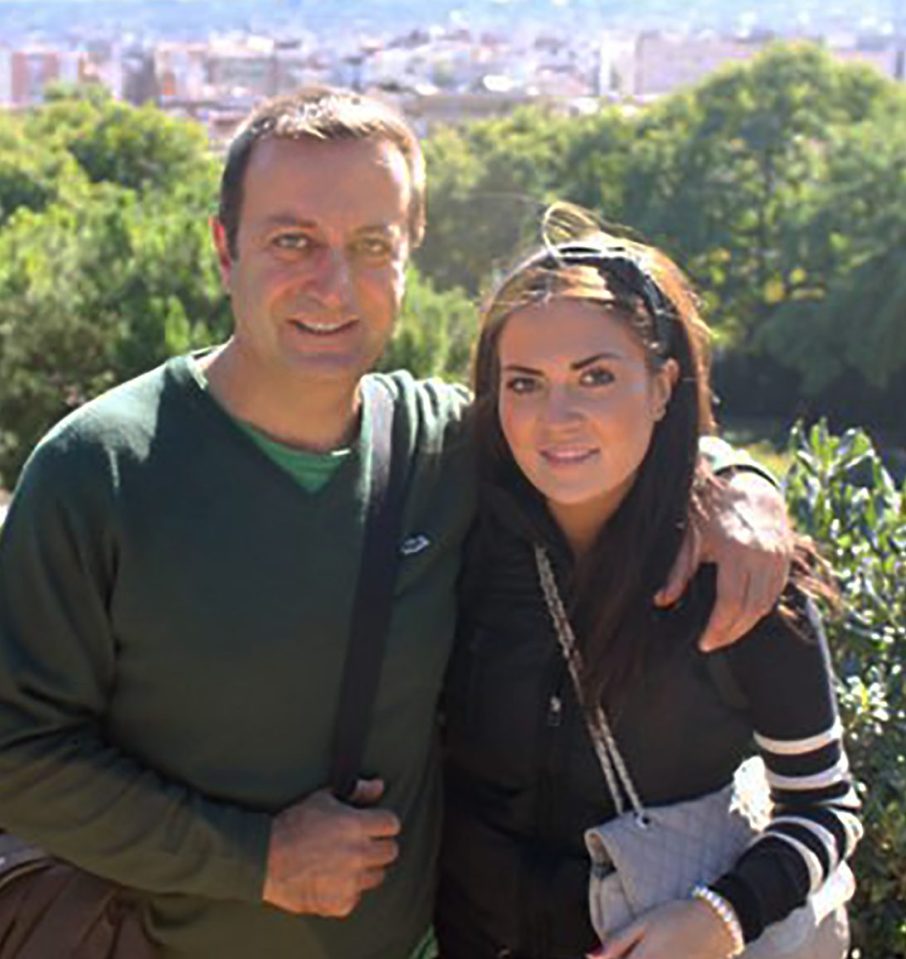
[(332, 281)]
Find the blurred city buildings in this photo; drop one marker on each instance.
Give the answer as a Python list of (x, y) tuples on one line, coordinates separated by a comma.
[(435, 74)]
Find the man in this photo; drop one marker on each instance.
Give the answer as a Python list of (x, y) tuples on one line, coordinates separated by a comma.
[(177, 570)]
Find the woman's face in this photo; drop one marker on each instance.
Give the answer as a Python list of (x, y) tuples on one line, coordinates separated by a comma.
[(578, 402)]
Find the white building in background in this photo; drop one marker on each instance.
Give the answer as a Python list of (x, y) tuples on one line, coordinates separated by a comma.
[(6, 77), (381, 67), (614, 74), (101, 67), (452, 64), (180, 70), (665, 61), (24, 73), (72, 66), (883, 60), (243, 66)]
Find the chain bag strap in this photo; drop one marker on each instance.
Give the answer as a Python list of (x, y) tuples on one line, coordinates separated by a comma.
[(612, 765)]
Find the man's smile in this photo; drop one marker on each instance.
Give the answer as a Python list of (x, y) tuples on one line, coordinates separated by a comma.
[(323, 329)]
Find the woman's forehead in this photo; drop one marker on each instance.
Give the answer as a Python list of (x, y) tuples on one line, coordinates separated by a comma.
[(565, 329)]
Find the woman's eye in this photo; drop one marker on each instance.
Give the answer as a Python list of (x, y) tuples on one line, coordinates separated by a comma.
[(596, 376), (520, 384)]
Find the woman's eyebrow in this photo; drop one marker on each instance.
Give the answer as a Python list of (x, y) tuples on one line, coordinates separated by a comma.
[(518, 368), (606, 355), (576, 365)]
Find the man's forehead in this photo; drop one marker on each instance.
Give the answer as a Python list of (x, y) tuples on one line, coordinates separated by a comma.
[(364, 183), (307, 158)]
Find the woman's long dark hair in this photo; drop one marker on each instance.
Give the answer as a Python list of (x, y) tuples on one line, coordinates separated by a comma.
[(612, 589)]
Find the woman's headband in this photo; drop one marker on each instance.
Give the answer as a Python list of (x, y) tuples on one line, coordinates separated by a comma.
[(620, 264)]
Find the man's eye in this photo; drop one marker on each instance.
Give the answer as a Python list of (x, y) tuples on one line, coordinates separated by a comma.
[(521, 384), (596, 376), (374, 246), (292, 241)]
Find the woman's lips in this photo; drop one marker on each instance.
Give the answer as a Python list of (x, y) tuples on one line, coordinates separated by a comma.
[(568, 455)]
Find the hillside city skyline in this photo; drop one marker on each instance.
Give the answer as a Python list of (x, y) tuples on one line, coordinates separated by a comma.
[(191, 18), (451, 60)]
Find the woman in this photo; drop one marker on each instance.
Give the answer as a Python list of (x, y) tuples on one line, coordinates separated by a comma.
[(592, 391)]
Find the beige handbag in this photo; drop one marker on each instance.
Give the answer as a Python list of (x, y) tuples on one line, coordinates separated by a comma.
[(646, 856)]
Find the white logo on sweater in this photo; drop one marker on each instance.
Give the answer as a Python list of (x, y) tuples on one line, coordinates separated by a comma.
[(414, 544)]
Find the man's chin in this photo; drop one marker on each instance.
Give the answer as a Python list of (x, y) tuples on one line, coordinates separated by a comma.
[(329, 367)]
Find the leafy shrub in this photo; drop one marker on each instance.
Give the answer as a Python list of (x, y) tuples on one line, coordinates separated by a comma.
[(97, 287), (434, 331), (840, 494)]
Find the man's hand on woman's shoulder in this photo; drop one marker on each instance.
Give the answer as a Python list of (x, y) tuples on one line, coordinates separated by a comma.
[(740, 523)]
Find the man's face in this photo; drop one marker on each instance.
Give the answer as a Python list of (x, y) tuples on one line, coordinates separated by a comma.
[(322, 248)]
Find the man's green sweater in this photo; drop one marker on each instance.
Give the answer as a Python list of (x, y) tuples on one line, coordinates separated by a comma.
[(174, 614)]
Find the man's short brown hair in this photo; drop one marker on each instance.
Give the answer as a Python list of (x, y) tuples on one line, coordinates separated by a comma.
[(320, 113)]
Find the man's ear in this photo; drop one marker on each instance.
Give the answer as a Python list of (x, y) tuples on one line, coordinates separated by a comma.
[(222, 246)]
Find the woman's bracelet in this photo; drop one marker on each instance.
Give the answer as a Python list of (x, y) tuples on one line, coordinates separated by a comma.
[(727, 916)]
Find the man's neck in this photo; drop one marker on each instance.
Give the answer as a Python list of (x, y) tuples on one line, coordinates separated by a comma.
[(318, 417)]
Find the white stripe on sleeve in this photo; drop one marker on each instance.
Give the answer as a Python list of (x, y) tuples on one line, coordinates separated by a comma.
[(793, 747)]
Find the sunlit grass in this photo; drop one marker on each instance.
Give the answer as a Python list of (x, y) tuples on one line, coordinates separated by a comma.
[(777, 461), (764, 439)]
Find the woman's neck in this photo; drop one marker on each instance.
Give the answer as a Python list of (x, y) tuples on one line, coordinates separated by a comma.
[(581, 523), (578, 527)]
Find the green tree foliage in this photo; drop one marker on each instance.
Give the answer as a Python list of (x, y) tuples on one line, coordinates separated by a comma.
[(485, 187), (113, 142), (95, 289), (840, 494), (105, 262), (32, 172), (851, 310), (434, 333), (489, 182), (778, 184), (726, 172)]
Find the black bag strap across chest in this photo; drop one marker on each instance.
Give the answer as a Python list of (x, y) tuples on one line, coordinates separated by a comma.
[(374, 593)]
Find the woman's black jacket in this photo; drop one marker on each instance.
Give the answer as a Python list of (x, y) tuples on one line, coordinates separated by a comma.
[(522, 780)]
